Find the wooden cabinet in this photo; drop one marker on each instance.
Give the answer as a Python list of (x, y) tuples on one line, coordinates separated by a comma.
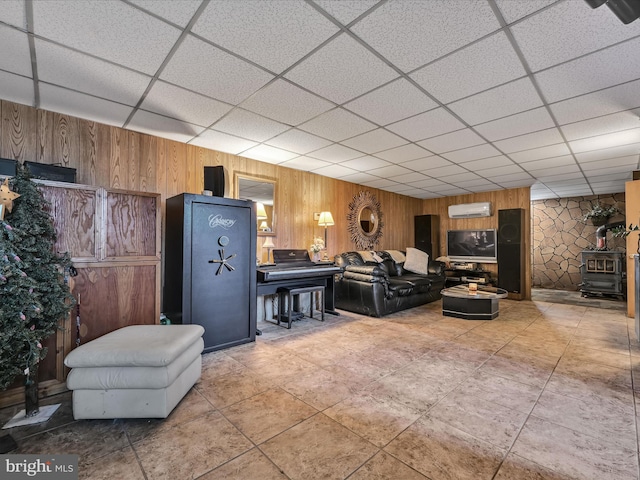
[(113, 237)]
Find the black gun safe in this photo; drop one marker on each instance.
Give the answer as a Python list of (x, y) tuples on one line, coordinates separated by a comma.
[(210, 267)]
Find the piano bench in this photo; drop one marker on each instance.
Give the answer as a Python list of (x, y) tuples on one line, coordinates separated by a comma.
[(286, 296)]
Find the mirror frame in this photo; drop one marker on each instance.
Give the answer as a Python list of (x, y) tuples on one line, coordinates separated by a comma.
[(236, 181), (365, 240)]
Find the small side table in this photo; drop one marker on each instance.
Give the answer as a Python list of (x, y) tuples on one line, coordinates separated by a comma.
[(459, 302)]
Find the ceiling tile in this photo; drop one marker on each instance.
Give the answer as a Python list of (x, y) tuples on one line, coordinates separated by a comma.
[(499, 171), (404, 153), (346, 11), (335, 153), (360, 178), (445, 171), (478, 67), (374, 141), (454, 23), (199, 66), (56, 99), (560, 177), (608, 187), (390, 171), (512, 11), (15, 56), (341, 70), (519, 124), (334, 171), (547, 163), (298, 141), (427, 183), (426, 125), (498, 102), (305, 163), (512, 177), (127, 36), (488, 163), (618, 164), (602, 125), (16, 88), (428, 163), (286, 103), (164, 127), (380, 183), (399, 188), (184, 105), (249, 125), (559, 173), (602, 102), (179, 13), (274, 34), (268, 154), (222, 142), (452, 191), (539, 153), (452, 141), (602, 69), (607, 153), (337, 124), (606, 141), (392, 102), (472, 153), (365, 164), (542, 138), (14, 13), (476, 183), (409, 177), (460, 177), (70, 69)]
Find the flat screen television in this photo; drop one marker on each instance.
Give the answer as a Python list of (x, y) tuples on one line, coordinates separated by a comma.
[(477, 246)]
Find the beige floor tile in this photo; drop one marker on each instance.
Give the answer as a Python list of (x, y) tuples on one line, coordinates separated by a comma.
[(440, 451), (322, 388), (252, 465), (591, 355), (385, 467), (573, 453), (191, 449), (518, 468), (233, 387), (318, 448), (216, 364), (121, 465), (267, 414), (525, 369)]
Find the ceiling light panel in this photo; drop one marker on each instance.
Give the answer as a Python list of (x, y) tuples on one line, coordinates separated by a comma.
[(335, 153), (14, 13), (603, 102), (305, 163), (242, 123), (222, 142), (268, 154), (298, 141), (426, 125), (392, 102), (454, 23), (199, 66), (498, 102), (453, 141), (341, 71), (179, 13), (184, 105), (515, 125), (259, 31), (127, 36), (404, 153), (480, 66), (68, 102), (602, 69), (602, 125), (77, 71), (334, 171), (337, 124), (549, 136), (374, 141), (16, 88), (286, 103), (15, 56), (472, 153), (568, 30), (158, 125), (512, 11)]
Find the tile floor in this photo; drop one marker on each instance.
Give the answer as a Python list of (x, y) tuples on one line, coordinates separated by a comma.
[(545, 391)]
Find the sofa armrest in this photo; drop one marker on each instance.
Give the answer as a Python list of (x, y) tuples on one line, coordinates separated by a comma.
[(436, 268), (372, 270)]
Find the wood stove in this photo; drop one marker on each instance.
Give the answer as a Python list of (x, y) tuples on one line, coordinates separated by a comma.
[(602, 273)]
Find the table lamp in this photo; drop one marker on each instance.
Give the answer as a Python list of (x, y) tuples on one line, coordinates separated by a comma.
[(268, 244), (325, 220)]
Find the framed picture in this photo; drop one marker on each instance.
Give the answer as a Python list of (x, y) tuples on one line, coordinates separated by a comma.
[(1, 211)]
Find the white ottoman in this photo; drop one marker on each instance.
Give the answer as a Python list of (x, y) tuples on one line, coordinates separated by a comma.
[(140, 371)]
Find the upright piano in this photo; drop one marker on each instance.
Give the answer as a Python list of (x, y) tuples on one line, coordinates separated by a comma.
[(294, 268)]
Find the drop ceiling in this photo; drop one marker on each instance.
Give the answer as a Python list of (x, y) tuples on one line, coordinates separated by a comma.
[(422, 98)]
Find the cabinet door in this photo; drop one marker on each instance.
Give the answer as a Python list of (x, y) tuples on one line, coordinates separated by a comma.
[(221, 280)]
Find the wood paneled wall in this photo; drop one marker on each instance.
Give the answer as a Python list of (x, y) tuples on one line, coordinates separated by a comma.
[(500, 199), (112, 157)]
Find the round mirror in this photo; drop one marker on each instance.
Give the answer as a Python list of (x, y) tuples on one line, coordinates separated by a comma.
[(365, 221)]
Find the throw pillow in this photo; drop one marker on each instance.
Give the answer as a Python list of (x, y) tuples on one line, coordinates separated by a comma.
[(417, 261)]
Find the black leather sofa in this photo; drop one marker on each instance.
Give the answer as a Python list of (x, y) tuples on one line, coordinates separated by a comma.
[(380, 288)]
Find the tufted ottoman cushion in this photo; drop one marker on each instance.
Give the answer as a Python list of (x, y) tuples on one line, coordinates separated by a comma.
[(140, 371)]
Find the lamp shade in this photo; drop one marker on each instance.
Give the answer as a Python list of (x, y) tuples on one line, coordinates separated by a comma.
[(261, 213), (268, 243), (263, 226), (326, 219)]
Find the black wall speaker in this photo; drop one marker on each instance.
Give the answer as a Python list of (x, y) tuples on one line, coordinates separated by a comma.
[(511, 250), (427, 234), (214, 180)]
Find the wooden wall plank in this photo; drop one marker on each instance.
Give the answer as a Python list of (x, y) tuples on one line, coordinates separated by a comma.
[(18, 135)]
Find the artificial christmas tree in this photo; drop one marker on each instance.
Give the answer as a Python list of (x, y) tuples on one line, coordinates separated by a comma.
[(35, 296)]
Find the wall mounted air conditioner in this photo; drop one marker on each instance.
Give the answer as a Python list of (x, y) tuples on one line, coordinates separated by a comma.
[(470, 210)]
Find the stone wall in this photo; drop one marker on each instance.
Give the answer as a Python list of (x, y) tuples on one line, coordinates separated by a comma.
[(560, 235)]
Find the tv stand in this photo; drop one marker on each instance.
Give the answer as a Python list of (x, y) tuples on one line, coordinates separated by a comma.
[(457, 276)]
